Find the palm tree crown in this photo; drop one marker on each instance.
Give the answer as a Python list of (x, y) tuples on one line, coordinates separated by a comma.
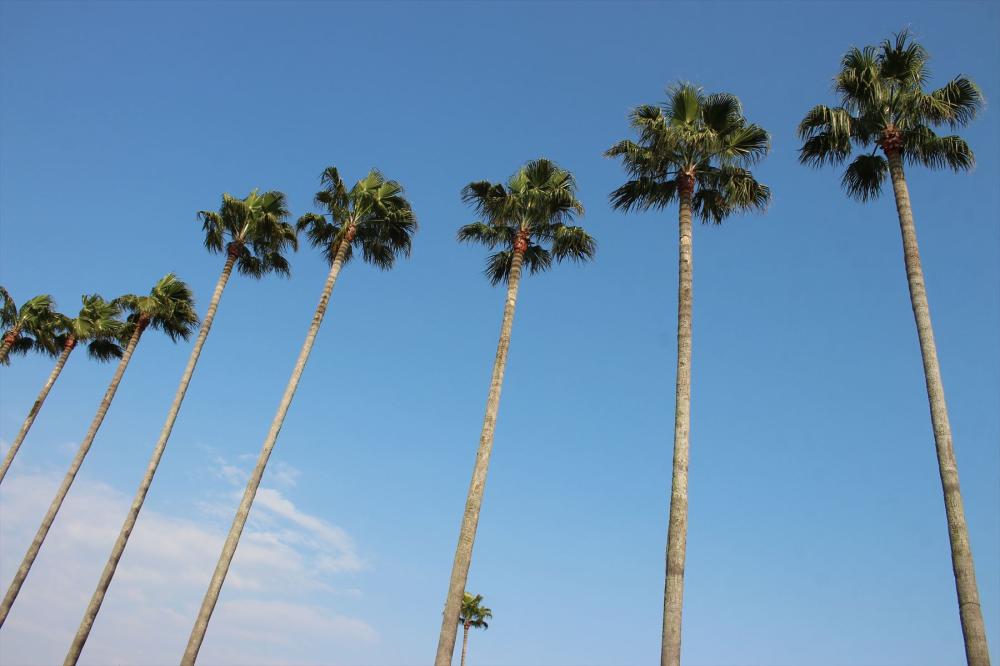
[(529, 213), (374, 216), (98, 325), (31, 327), (698, 143), (253, 230), (474, 614), (169, 307), (883, 105)]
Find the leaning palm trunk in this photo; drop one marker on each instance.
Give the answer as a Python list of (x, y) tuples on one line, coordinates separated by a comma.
[(74, 467), (467, 534), (35, 408), (232, 540), (465, 641), (973, 629), (140, 496), (673, 595), (8, 342)]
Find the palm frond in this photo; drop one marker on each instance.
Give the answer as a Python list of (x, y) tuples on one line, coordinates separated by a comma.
[(864, 176)]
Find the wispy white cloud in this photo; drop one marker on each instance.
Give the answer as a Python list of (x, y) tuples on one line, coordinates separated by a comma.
[(281, 604)]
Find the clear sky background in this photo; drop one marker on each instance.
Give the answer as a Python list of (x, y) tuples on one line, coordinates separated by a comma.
[(817, 530)]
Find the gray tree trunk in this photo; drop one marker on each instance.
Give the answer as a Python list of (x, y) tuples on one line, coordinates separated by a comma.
[(470, 520), (140, 496), (973, 629), (232, 540), (35, 408), (465, 642), (43, 530), (673, 595)]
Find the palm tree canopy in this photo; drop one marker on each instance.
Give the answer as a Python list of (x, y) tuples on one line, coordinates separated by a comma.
[(883, 104), (695, 140), (98, 325), (374, 217), (169, 307), (533, 209), (254, 229), (474, 613), (36, 322)]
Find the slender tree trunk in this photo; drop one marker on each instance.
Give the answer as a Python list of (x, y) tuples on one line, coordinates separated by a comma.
[(35, 408), (673, 595), (74, 467), (973, 629), (465, 641), (232, 540), (470, 520), (8, 341), (140, 496)]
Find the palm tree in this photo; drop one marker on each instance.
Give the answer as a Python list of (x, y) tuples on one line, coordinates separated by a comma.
[(28, 328), (883, 106), (254, 235), (373, 217), (98, 326), (521, 218), (473, 616), (696, 149), (169, 307)]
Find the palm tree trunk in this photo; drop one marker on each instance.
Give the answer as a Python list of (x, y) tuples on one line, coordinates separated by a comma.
[(470, 520), (35, 408), (140, 496), (465, 642), (973, 629), (673, 595), (81, 453), (8, 341), (239, 521)]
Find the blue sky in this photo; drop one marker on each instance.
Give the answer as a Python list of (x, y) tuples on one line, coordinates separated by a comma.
[(817, 532)]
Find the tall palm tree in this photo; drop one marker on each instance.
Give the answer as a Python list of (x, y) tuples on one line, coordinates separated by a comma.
[(696, 150), (526, 219), (254, 235), (883, 105), (97, 325), (28, 328), (169, 307), (473, 616), (373, 217)]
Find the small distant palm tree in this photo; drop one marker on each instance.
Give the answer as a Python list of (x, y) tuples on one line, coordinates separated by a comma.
[(169, 307), (694, 150), (255, 236), (883, 105), (98, 326), (525, 221), (374, 218), (28, 328), (473, 616)]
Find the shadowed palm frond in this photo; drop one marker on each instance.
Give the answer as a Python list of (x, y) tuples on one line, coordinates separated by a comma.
[(864, 176)]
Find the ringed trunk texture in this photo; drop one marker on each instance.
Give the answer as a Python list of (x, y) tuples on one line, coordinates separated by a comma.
[(970, 613), (470, 520), (239, 521), (35, 408), (673, 594), (140, 496), (465, 642), (50, 516), (8, 341)]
